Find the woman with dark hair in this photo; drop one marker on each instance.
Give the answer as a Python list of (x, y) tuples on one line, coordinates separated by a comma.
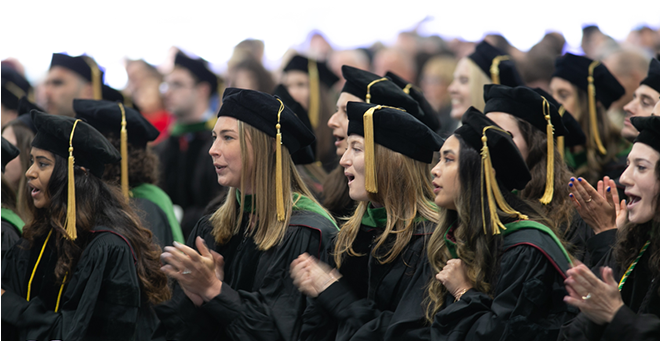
[(528, 116), (499, 264), (379, 253), (624, 303), (86, 268), (231, 277), (12, 224)]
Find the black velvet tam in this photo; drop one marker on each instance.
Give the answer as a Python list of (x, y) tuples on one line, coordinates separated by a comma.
[(575, 69), (90, 149), (301, 63), (510, 168), (524, 103), (14, 86), (105, 116), (199, 68), (76, 64), (396, 130), (9, 152), (430, 117), (259, 110), (653, 77), (305, 155), (649, 130), (483, 56), (384, 93), (574, 133)]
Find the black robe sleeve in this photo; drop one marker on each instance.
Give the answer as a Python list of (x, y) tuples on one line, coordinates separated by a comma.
[(100, 302), (527, 304), (599, 245), (10, 236), (153, 218)]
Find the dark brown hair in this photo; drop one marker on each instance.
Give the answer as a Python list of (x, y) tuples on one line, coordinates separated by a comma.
[(142, 165)]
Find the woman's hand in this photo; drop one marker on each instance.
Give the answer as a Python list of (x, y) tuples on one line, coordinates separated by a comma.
[(597, 300), (600, 208), (454, 277), (200, 275), (312, 276)]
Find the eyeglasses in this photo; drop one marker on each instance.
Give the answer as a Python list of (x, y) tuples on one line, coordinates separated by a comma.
[(174, 86)]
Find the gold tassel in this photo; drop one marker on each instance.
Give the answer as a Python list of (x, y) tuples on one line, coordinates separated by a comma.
[(368, 97), (550, 159), (560, 139), (493, 193), (495, 68), (370, 177), (70, 223), (407, 88), (279, 191), (96, 78), (124, 153), (314, 93), (592, 108), (14, 89)]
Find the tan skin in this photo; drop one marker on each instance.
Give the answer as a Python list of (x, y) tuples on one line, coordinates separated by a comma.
[(643, 103), (62, 86), (338, 122), (564, 92)]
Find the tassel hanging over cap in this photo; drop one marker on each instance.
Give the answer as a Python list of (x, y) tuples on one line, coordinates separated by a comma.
[(314, 93), (491, 190), (550, 158), (495, 68), (70, 223), (560, 139), (96, 78), (371, 180), (368, 97), (593, 120), (279, 191), (124, 153)]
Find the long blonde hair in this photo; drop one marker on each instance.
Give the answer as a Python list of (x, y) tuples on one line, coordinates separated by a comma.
[(404, 189), (259, 170), (477, 81)]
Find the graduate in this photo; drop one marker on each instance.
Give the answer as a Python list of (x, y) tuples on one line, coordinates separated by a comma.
[(139, 177), (529, 117), (85, 269), (370, 284), (232, 278), (498, 264), (430, 115), (12, 224), (620, 299)]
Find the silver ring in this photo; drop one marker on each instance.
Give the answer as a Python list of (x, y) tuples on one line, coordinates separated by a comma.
[(590, 198), (586, 297), (185, 272)]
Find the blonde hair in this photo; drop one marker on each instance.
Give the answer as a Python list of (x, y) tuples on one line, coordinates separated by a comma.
[(477, 81), (259, 170), (404, 189)]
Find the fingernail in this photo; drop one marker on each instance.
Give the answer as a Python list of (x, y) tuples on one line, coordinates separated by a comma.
[(572, 179), (608, 189), (570, 195), (570, 185), (580, 179), (176, 244)]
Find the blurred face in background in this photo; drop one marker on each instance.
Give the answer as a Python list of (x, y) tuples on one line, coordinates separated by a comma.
[(62, 86), (642, 104), (181, 93), (566, 94), (297, 84), (459, 90), (338, 122)]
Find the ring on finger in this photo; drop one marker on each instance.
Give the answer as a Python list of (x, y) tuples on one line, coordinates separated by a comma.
[(185, 272), (589, 200), (588, 296)]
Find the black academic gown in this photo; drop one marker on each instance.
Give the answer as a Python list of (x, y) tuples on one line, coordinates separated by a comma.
[(188, 176), (637, 320), (10, 235), (153, 218), (258, 300), (526, 301), (577, 236), (374, 301), (102, 299)]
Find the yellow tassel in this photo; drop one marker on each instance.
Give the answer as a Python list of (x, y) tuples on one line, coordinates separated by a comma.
[(492, 191), (560, 139), (368, 97), (592, 108), (314, 93), (71, 231), (279, 191), (549, 169), (495, 68), (124, 153), (407, 88), (96, 78), (370, 179)]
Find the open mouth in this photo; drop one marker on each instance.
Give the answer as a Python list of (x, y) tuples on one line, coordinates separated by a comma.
[(219, 168), (350, 177), (338, 139), (34, 191), (633, 200)]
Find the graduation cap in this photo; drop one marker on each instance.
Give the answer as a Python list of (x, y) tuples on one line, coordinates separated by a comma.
[(318, 72), (84, 66), (268, 114), (115, 118), (391, 128), (9, 152), (574, 135), (496, 64), (14, 86), (653, 77), (199, 68), (649, 131), (305, 155), (594, 78), (372, 88), (79, 143), (430, 117), (526, 104), (501, 163), (24, 109)]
